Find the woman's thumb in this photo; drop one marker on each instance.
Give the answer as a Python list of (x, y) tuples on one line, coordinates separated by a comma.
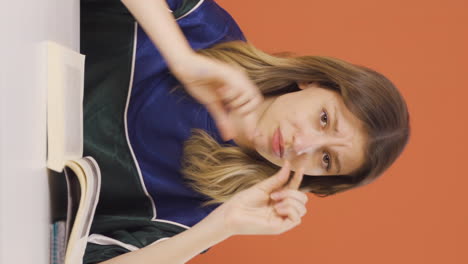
[(277, 180)]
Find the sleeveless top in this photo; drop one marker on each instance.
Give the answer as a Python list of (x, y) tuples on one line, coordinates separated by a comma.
[(135, 128)]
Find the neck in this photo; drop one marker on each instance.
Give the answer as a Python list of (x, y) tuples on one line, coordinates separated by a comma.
[(241, 138)]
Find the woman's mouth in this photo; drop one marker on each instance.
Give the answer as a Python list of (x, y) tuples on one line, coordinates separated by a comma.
[(277, 143)]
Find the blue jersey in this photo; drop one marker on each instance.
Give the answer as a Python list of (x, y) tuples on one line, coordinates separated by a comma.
[(159, 121), (135, 128)]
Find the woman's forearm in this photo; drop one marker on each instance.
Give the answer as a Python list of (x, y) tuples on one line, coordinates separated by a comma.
[(159, 24), (179, 248)]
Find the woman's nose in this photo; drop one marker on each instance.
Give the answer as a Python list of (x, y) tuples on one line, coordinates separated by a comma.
[(312, 141)]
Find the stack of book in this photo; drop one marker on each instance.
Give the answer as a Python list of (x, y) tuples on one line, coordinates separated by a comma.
[(80, 176)]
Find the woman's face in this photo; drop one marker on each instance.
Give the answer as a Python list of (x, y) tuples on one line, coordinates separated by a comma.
[(312, 128)]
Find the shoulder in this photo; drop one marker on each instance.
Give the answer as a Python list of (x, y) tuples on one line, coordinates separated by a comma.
[(112, 235), (206, 21), (181, 8)]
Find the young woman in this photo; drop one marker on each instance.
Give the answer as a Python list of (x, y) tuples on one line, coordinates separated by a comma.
[(190, 124)]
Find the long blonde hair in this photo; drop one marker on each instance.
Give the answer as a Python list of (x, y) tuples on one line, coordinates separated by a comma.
[(219, 171)]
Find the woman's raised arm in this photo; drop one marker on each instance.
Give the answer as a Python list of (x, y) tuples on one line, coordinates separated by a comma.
[(158, 22), (218, 86)]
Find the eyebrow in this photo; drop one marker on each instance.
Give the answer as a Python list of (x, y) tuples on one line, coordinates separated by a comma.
[(336, 161), (335, 120)]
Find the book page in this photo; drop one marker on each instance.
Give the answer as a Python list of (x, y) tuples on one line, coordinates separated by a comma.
[(65, 85)]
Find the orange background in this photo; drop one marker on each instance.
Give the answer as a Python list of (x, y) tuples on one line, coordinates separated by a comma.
[(418, 211)]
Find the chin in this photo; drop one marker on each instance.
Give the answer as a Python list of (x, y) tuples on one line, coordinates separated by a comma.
[(271, 158)]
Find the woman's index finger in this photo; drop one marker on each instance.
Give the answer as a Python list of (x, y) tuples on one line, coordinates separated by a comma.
[(298, 173), (295, 182)]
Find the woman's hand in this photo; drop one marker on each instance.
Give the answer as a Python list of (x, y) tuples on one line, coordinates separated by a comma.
[(255, 211), (224, 90), (218, 86)]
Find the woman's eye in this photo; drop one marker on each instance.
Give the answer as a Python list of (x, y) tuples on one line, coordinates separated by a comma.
[(326, 160), (323, 118)]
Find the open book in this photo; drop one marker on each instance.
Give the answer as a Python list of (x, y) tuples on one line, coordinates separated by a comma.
[(65, 82)]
